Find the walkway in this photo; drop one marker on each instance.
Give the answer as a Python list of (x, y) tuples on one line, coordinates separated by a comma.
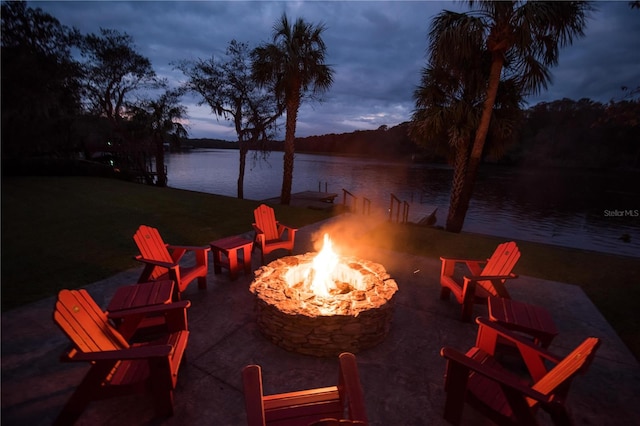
[(310, 199), (402, 377)]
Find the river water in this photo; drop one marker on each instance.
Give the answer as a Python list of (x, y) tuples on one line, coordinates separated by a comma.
[(587, 210)]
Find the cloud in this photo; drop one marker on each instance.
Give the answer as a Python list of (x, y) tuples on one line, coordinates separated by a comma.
[(376, 49), (599, 64)]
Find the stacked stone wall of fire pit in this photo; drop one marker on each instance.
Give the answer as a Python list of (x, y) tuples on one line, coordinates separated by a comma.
[(357, 315)]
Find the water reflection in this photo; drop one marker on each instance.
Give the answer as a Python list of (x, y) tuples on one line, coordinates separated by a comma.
[(573, 209)]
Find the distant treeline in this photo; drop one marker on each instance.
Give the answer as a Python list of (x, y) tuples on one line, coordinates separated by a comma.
[(580, 133), (562, 133), (209, 143), (383, 142)]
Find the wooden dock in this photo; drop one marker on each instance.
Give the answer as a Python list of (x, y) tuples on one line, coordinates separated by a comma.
[(311, 199)]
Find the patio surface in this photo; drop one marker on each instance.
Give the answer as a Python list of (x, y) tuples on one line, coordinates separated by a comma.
[(402, 377)]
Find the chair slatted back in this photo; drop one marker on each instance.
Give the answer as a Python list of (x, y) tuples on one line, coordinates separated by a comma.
[(266, 221), (152, 247), (86, 325), (503, 259), (501, 263), (578, 360)]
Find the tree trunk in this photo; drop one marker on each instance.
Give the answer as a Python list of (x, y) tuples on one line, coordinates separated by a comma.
[(487, 107), (162, 175), (243, 159), (457, 211), (289, 149)]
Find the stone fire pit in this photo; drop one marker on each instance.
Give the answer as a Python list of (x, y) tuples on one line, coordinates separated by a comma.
[(352, 316)]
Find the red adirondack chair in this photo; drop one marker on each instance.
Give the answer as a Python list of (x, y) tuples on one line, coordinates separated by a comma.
[(160, 264), (270, 234), (306, 406), (119, 367), (483, 281), (478, 379)]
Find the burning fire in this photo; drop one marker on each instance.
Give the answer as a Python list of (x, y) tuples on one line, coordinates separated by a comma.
[(324, 303), (323, 268)]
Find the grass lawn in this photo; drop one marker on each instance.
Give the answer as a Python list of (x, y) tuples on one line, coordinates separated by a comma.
[(66, 232)]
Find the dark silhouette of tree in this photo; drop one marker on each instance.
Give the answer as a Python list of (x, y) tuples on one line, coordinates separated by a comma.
[(230, 91), (159, 120), (40, 83), (294, 64), (586, 134), (113, 74), (523, 39)]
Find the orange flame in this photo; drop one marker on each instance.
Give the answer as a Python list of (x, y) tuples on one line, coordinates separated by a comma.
[(324, 265)]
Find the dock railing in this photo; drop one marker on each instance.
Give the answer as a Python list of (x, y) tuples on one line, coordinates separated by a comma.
[(366, 206), (353, 202), (394, 208)]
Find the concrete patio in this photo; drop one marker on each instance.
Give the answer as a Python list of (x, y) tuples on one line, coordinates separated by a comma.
[(402, 377)]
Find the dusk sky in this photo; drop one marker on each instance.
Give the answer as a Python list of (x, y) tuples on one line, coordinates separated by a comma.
[(376, 48)]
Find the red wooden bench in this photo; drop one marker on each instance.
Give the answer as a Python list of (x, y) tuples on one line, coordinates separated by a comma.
[(119, 367), (478, 379), (161, 264), (483, 281), (270, 234), (306, 406)]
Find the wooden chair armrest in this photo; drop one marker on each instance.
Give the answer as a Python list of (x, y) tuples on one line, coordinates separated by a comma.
[(295, 400), (291, 232), (253, 394), (336, 422), (474, 266), (281, 226), (350, 380), (502, 377), (188, 248), (152, 309), (459, 260), (159, 263), (260, 237), (136, 352), (173, 315), (177, 252), (290, 228), (490, 277)]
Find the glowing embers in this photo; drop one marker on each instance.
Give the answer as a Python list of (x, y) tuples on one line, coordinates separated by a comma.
[(323, 303)]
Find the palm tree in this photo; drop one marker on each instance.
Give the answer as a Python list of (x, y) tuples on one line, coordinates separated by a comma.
[(448, 107), (522, 40), (294, 64)]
